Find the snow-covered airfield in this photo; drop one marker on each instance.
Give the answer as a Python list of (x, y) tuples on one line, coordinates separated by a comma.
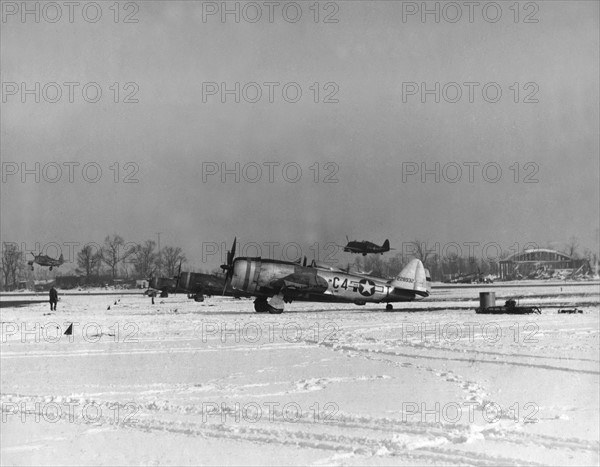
[(214, 383)]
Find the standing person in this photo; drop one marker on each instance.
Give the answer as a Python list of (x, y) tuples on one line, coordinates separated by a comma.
[(53, 298)]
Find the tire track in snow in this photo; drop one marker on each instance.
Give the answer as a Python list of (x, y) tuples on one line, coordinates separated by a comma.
[(370, 436)]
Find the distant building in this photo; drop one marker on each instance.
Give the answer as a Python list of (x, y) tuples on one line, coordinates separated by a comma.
[(536, 263)]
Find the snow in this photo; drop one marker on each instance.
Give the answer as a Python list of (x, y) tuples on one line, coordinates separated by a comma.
[(214, 383)]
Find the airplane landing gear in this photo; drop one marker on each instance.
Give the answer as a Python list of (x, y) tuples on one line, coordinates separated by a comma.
[(275, 311), (261, 305), (50, 268), (276, 303), (389, 307)]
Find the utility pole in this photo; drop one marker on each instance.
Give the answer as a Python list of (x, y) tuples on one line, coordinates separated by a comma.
[(159, 256)]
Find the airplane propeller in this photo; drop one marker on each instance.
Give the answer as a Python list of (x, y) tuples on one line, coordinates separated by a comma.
[(228, 268)]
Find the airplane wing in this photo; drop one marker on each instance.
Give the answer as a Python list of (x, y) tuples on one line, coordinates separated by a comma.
[(352, 249), (301, 282), (327, 267)]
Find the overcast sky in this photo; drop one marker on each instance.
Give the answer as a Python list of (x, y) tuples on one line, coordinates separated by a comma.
[(377, 134)]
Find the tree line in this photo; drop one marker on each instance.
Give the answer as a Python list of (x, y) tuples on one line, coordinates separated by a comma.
[(114, 256)]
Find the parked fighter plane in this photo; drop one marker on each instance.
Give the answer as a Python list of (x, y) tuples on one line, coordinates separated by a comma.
[(365, 247), (275, 282), (195, 284), (470, 278), (44, 260)]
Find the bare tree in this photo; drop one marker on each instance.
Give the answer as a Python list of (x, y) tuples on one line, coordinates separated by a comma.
[(452, 263), (428, 257), (171, 257), (11, 262), (113, 252), (88, 260), (395, 265), (374, 264), (571, 247), (419, 250), (144, 258)]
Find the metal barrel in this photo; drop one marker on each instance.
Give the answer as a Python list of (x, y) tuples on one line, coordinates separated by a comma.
[(487, 299)]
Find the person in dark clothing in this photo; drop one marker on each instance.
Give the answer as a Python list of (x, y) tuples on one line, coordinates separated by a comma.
[(53, 299)]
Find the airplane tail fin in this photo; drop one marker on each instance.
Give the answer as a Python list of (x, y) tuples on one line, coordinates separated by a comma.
[(386, 244), (413, 277), (61, 259)]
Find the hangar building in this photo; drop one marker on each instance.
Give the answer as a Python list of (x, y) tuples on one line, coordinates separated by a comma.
[(537, 263)]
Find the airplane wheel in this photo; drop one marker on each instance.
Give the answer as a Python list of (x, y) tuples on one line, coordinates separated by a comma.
[(261, 306), (275, 311), (50, 268), (389, 307)]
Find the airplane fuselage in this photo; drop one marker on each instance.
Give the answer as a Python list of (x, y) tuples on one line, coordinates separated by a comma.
[(43, 260), (265, 277), (357, 289)]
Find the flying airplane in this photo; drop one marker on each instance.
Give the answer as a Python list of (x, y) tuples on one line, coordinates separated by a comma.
[(44, 260), (275, 282), (365, 247)]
